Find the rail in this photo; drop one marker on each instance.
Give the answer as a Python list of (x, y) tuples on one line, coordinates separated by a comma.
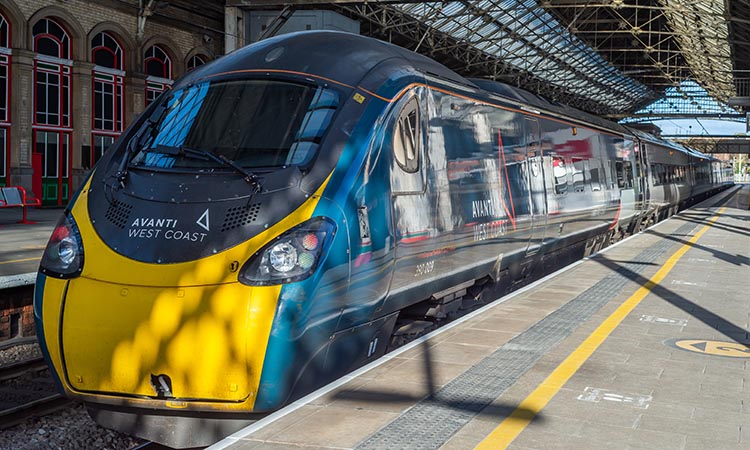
[(17, 369), (26, 403), (40, 407)]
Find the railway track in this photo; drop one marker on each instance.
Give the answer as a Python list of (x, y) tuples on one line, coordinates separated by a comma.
[(17, 369), (27, 390)]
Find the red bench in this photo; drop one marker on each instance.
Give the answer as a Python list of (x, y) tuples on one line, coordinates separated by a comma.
[(15, 197)]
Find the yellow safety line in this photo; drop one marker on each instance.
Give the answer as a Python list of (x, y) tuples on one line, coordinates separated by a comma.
[(512, 426), (19, 260)]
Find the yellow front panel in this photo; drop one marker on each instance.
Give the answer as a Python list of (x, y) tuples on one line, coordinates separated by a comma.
[(54, 295), (124, 321), (209, 340)]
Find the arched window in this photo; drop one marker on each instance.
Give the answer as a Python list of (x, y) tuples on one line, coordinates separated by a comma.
[(106, 51), (52, 119), (51, 39), (5, 55), (108, 96), (158, 67), (196, 61), (4, 32)]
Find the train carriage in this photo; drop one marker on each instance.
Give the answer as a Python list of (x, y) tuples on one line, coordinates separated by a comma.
[(287, 212), (667, 177)]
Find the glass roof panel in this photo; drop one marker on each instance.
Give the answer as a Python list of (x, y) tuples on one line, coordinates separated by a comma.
[(703, 35), (689, 98), (531, 39)]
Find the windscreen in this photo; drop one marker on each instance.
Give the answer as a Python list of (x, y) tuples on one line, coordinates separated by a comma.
[(253, 123)]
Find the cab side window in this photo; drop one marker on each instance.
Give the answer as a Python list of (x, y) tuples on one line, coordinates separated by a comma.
[(406, 137)]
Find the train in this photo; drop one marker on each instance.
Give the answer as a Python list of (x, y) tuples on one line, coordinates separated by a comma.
[(289, 212)]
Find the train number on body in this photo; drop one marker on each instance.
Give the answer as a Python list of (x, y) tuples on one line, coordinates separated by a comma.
[(424, 268)]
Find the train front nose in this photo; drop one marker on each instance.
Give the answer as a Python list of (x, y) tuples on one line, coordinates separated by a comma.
[(161, 323), (192, 343)]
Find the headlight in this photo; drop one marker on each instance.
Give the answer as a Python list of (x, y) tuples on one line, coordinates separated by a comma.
[(293, 256), (283, 257), (63, 257)]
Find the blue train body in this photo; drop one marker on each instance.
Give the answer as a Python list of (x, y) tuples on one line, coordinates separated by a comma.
[(289, 211)]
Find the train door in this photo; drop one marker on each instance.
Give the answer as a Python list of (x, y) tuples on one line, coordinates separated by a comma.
[(413, 212), (642, 186), (622, 167), (537, 191)]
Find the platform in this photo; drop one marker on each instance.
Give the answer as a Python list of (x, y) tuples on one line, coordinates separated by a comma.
[(640, 346), (22, 245)]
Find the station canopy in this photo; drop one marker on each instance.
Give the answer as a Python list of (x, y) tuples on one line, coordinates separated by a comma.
[(533, 47), (608, 57), (616, 58)]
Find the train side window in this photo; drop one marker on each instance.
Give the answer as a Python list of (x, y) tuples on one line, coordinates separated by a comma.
[(560, 172), (659, 174), (619, 174), (406, 137), (579, 175), (595, 175), (627, 173)]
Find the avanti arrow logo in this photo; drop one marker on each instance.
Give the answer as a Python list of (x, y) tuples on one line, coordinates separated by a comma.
[(203, 221)]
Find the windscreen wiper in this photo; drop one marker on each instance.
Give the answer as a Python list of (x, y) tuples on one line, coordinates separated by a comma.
[(135, 141), (206, 155)]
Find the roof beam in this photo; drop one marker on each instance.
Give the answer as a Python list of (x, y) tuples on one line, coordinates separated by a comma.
[(263, 4)]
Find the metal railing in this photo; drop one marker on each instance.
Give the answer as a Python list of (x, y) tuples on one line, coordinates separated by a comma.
[(743, 87)]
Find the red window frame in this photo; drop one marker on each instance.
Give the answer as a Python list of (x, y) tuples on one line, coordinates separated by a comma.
[(5, 84), (106, 82), (61, 77), (62, 42), (60, 67), (55, 68), (156, 83), (117, 53)]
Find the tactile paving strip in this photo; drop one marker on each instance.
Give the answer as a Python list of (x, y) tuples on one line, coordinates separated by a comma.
[(431, 422)]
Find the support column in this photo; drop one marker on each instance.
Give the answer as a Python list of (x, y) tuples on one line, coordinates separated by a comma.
[(22, 108), (82, 116), (234, 29), (135, 94)]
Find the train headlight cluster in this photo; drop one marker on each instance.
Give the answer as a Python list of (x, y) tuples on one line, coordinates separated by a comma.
[(63, 257), (293, 256)]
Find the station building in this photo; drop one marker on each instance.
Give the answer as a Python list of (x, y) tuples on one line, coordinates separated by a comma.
[(74, 73)]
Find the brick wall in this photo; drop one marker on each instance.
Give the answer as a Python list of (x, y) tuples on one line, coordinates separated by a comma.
[(180, 33), (16, 312)]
